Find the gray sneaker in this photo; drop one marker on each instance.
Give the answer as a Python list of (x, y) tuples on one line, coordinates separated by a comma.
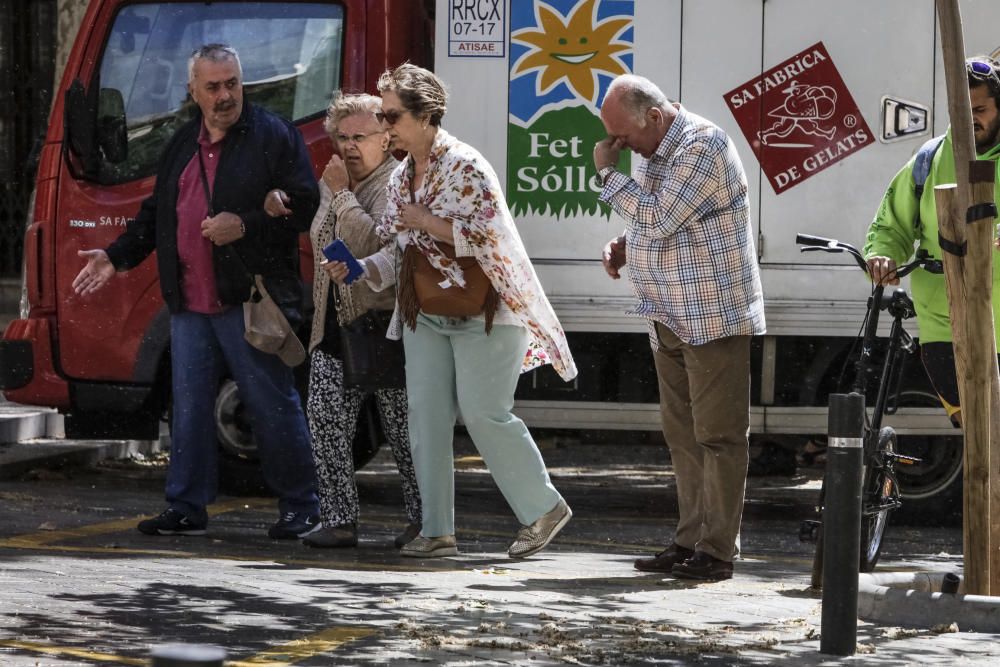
[(532, 539), (430, 547)]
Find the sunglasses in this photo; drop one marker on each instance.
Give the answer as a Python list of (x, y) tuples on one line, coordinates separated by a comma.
[(981, 69), (391, 116)]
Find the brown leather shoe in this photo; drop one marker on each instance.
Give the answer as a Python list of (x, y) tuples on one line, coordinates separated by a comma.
[(665, 560), (703, 567)]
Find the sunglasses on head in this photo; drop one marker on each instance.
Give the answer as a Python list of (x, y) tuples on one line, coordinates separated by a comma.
[(391, 116), (982, 69)]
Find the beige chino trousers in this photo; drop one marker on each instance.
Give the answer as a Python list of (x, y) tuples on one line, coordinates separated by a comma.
[(705, 408)]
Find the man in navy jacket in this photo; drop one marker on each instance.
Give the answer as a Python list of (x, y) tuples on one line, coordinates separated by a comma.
[(211, 236)]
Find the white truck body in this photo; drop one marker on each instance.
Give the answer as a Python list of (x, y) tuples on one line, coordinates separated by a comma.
[(715, 57)]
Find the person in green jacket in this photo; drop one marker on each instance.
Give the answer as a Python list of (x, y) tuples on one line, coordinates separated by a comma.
[(894, 233)]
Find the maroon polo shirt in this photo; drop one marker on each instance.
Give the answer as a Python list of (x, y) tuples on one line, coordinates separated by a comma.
[(193, 250)]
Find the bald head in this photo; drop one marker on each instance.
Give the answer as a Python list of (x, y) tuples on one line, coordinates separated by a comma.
[(635, 95), (636, 113)]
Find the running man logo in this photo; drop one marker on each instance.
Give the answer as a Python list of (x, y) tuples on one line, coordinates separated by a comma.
[(803, 109), (564, 53), (799, 118)]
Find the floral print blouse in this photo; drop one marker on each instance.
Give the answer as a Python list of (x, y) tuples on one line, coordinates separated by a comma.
[(461, 187)]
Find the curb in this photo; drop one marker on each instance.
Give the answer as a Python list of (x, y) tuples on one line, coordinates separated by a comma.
[(19, 423), (909, 599)]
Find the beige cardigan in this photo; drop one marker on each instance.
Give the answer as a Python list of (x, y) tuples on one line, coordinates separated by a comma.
[(351, 217)]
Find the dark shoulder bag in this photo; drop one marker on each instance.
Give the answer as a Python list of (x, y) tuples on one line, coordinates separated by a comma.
[(372, 361)]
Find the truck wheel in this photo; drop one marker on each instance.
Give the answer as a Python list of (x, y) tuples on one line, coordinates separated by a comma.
[(239, 467), (932, 489)]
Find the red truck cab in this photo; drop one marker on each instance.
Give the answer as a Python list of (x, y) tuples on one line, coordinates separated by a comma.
[(124, 92)]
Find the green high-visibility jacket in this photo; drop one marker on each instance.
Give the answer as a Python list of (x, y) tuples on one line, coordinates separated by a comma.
[(893, 234)]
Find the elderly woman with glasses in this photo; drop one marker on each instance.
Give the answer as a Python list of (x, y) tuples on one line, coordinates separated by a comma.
[(353, 199), (445, 203)]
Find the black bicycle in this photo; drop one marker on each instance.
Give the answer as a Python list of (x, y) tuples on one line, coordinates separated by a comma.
[(880, 492)]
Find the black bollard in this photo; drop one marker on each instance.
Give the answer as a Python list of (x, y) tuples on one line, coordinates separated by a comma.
[(950, 582), (842, 524), (187, 655)]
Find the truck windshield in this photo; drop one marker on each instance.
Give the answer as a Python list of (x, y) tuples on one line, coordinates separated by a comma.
[(290, 53)]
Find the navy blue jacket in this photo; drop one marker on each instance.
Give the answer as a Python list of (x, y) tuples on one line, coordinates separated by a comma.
[(259, 153)]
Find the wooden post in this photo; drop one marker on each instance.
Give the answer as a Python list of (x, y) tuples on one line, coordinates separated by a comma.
[(979, 273), (975, 515), (971, 309)]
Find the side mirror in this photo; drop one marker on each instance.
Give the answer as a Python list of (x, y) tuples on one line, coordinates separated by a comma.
[(112, 134), (79, 128)]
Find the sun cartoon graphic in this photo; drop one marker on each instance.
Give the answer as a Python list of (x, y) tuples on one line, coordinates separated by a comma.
[(575, 51)]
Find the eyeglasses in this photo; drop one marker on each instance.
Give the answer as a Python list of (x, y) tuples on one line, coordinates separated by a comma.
[(391, 116), (344, 139)]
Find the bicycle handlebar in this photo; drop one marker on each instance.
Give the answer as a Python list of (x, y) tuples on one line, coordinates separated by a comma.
[(922, 259)]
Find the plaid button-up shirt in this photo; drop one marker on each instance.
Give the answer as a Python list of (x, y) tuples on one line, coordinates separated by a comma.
[(689, 241)]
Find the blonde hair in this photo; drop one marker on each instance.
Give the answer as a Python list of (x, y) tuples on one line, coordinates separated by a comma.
[(421, 91), (347, 104)]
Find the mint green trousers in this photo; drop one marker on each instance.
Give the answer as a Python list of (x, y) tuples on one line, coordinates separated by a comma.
[(453, 367)]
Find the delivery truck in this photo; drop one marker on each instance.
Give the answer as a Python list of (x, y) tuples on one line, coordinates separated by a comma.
[(825, 102)]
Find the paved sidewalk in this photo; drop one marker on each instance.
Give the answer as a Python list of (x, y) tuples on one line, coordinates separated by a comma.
[(82, 587), (568, 607)]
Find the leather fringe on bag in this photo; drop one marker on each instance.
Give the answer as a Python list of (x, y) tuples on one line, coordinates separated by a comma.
[(419, 290)]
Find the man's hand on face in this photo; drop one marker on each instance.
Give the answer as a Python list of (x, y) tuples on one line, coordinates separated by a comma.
[(613, 256), (223, 228), (606, 153)]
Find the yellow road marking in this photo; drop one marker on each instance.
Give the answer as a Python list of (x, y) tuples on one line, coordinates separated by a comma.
[(300, 649), (278, 656), (74, 652)]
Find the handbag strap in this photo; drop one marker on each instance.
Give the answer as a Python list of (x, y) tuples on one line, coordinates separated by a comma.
[(412, 168)]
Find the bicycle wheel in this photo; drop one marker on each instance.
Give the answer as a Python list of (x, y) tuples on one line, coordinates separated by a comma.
[(878, 497)]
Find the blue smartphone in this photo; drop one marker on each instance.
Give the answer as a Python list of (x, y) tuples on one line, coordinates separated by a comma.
[(338, 252)]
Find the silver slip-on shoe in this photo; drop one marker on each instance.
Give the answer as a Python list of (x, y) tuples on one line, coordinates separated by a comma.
[(430, 547), (532, 539)]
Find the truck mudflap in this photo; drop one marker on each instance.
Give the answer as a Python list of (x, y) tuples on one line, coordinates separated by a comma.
[(27, 371)]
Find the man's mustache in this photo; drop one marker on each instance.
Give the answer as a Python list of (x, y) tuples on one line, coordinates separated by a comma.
[(224, 106)]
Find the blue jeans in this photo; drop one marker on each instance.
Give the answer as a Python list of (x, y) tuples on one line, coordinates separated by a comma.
[(202, 348)]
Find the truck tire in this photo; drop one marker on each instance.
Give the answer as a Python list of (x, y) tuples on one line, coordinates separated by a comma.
[(239, 466)]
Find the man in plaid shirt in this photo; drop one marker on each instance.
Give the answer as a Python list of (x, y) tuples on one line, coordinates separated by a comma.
[(690, 252)]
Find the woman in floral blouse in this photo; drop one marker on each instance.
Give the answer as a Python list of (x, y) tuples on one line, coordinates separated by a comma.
[(467, 365)]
